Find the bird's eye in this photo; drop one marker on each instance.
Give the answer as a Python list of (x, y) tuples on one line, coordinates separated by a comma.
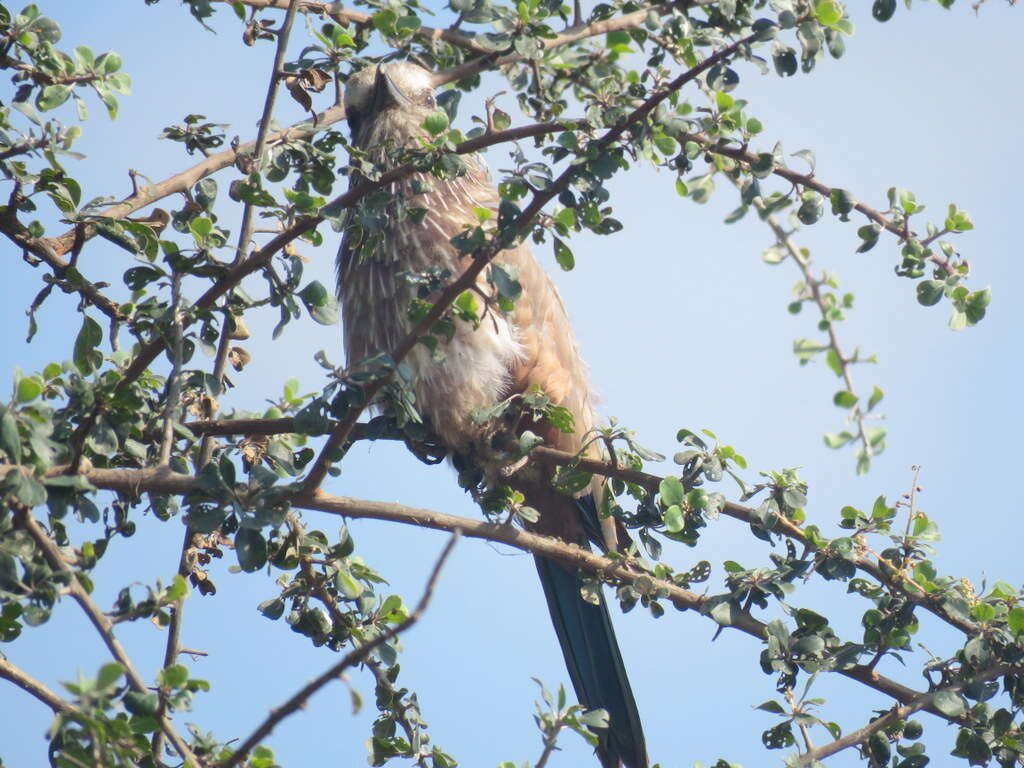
[(429, 100)]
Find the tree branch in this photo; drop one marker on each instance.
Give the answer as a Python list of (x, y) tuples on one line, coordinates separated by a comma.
[(742, 155), (350, 659), (880, 571), (42, 248), (922, 702), (164, 480), (857, 414), (248, 209), (33, 687), (488, 59), (101, 623)]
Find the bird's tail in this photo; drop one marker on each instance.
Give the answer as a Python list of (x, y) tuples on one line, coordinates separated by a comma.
[(592, 656)]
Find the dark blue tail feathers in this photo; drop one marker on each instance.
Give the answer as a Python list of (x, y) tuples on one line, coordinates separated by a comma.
[(592, 656)]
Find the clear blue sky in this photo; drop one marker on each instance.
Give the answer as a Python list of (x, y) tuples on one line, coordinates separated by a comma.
[(682, 325)]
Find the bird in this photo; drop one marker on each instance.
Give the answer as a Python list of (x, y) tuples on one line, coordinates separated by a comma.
[(531, 348)]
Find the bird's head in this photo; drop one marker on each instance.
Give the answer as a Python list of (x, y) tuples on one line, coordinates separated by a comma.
[(388, 102)]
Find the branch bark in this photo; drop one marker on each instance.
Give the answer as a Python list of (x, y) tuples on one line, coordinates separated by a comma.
[(164, 480), (33, 687)]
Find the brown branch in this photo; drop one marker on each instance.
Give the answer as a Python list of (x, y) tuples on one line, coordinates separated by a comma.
[(101, 624), (224, 342), (487, 58), (164, 480), (216, 162), (45, 78), (808, 181), (181, 182), (879, 571), (245, 229), (315, 584), (350, 659), (33, 687), (922, 702), (43, 249), (24, 147)]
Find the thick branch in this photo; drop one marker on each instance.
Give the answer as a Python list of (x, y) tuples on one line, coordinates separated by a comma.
[(33, 687), (650, 482), (164, 480), (43, 249)]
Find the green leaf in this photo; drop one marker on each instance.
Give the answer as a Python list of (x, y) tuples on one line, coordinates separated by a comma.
[(143, 704), (320, 303), (595, 718), (949, 703), (667, 145), (109, 62), (1015, 620), (828, 12), (52, 96), (436, 122), (671, 491), (200, 227), (109, 674), (467, 306), (674, 521), (174, 676), (876, 397), (882, 10), (10, 440), (983, 612), (844, 399), (251, 549), (89, 337), (563, 255), (929, 292), (28, 389), (834, 440), (833, 361)]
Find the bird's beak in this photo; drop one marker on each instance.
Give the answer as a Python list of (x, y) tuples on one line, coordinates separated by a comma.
[(386, 93)]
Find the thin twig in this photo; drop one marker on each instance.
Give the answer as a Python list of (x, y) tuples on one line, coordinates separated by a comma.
[(248, 210), (101, 624), (350, 659), (921, 702), (174, 380), (784, 238)]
